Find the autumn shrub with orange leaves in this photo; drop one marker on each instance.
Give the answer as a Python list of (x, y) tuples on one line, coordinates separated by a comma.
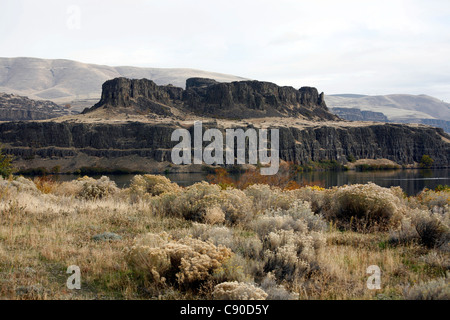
[(45, 184), (284, 179)]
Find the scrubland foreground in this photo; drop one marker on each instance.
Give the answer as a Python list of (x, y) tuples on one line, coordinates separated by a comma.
[(157, 240)]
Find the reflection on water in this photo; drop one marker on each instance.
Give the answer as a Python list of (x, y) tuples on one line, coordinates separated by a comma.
[(411, 181)]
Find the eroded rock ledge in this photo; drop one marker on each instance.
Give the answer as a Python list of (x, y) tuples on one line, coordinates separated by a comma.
[(235, 100), (147, 146), (138, 137)]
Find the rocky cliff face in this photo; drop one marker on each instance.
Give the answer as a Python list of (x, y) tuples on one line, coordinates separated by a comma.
[(14, 108), (236, 100), (69, 141), (247, 99), (399, 143), (306, 132), (137, 96)]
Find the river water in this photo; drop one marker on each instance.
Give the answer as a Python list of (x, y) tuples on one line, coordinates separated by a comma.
[(411, 181)]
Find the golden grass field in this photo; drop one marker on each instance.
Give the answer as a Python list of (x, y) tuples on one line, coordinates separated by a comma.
[(157, 240)]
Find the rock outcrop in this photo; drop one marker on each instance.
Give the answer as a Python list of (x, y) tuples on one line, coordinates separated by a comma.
[(206, 97), (14, 108), (248, 99), (69, 141), (308, 131), (123, 95)]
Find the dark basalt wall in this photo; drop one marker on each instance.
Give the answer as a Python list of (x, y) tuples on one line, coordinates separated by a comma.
[(322, 140), (236, 100), (400, 143)]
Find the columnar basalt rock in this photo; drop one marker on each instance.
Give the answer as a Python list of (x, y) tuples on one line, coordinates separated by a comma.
[(235, 100), (48, 140), (308, 131)]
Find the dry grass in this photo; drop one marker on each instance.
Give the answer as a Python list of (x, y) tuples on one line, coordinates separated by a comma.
[(45, 227)]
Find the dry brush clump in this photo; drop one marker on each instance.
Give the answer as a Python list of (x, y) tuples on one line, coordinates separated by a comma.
[(424, 227), (299, 218), (433, 229), (290, 239), (92, 189), (282, 242), (290, 256), (315, 195), (238, 291), (193, 202), (146, 257), (275, 291), (265, 197), (438, 289), (247, 262), (437, 201), (185, 261), (207, 203), (153, 185), (218, 235), (157, 191), (437, 259), (197, 259), (214, 215), (236, 206), (17, 186), (366, 207)]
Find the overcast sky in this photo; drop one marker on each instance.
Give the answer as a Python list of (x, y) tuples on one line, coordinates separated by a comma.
[(363, 46)]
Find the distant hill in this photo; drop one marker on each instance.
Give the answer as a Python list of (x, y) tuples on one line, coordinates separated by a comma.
[(396, 107), (349, 95), (400, 108), (17, 108), (354, 114), (67, 81)]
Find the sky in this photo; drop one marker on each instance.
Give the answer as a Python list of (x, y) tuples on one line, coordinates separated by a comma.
[(362, 47)]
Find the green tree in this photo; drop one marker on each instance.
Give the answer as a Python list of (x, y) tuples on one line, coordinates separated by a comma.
[(426, 161), (6, 168), (351, 158)]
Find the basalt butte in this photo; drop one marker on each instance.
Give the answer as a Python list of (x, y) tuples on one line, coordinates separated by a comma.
[(130, 128)]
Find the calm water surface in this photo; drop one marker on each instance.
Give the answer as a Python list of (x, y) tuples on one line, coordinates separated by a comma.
[(411, 181)]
